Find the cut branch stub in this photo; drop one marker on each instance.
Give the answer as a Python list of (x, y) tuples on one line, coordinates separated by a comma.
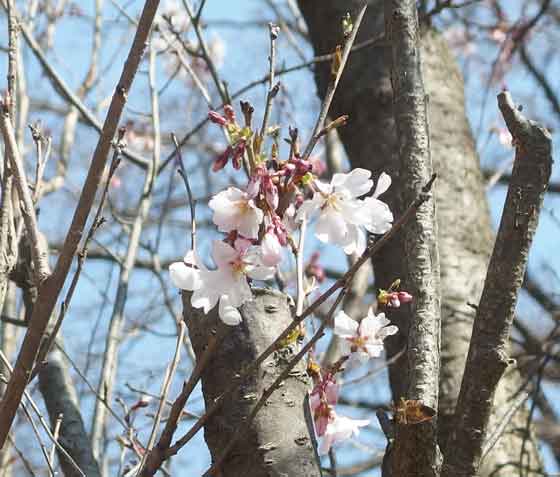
[(277, 441)]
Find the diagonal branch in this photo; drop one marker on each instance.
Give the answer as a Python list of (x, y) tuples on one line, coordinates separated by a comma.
[(487, 358), (51, 287)]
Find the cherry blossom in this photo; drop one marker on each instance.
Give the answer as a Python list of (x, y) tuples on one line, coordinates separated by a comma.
[(227, 285), (338, 429), (342, 215), (365, 339), (236, 210)]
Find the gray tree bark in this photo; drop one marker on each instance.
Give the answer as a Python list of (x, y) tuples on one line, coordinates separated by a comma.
[(488, 352), (416, 451), (465, 234), (277, 442), (60, 397)]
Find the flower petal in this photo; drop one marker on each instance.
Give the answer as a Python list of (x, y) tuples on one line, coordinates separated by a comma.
[(378, 216), (331, 227), (223, 254), (383, 183), (228, 313), (356, 183), (184, 276), (344, 326), (357, 241)]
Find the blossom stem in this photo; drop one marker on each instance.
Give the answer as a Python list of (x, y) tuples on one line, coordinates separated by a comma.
[(272, 90), (300, 300), (192, 203)]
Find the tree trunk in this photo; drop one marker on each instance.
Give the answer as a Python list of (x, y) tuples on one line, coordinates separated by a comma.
[(464, 230), (277, 441)]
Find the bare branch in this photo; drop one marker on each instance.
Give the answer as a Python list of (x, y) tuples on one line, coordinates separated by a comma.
[(487, 358)]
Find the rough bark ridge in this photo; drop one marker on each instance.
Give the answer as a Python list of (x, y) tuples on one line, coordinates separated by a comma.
[(464, 231), (277, 442), (420, 240)]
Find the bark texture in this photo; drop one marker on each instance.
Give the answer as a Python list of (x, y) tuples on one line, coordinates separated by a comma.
[(420, 241), (488, 352), (277, 442), (465, 235), (60, 398)]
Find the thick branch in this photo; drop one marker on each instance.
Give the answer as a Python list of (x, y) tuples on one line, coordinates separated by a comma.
[(51, 287), (277, 440), (487, 359), (422, 262)]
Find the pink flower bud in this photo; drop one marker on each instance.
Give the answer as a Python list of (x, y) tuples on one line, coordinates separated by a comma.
[(222, 159), (270, 192), (238, 155), (280, 230), (271, 249), (318, 167), (405, 297), (230, 113), (217, 118)]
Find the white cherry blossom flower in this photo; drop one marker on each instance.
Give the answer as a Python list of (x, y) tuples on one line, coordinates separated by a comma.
[(227, 285), (338, 429), (342, 215), (236, 210), (365, 339)]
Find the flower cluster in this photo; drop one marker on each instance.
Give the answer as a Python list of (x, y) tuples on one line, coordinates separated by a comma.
[(260, 218), (361, 341), (328, 424)]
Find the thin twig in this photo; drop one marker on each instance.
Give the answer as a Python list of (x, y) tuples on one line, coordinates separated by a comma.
[(170, 372), (64, 90), (117, 320), (192, 203), (300, 272), (42, 421), (375, 41), (38, 248), (163, 450), (25, 462), (56, 433), (501, 426), (195, 20), (329, 95), (272, 89), (82, 255)]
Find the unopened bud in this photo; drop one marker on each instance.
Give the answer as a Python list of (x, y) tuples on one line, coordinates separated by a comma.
[(217, 118)]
